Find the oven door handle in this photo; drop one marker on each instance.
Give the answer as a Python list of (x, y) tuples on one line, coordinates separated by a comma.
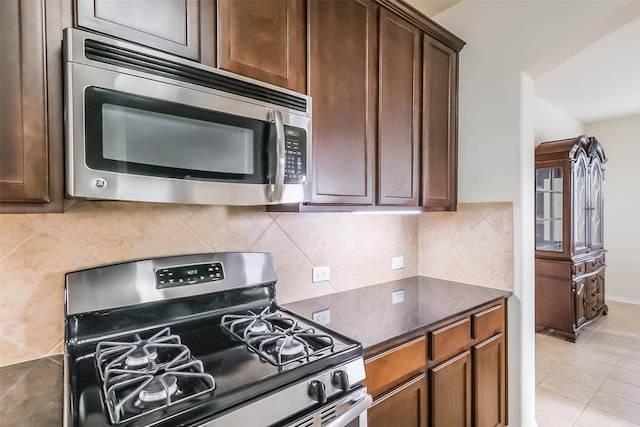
[(358, 407), (276, 189)]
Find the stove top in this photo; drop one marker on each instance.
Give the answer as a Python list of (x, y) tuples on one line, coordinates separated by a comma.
[(186, 359)]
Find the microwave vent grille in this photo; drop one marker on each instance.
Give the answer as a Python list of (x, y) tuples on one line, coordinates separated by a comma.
[(122, 57)]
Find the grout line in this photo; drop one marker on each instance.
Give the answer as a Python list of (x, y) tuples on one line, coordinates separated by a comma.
[(572, 353), (193, 232)]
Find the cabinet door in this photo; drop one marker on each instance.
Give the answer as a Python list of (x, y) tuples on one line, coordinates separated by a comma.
[(580, 302), (596, 205), (169, 25), (489, 383), (581, 204), (404, 406), (399, 111), (31, 166), (450, 393), (264, 40), (440, 124), (600, 289), (342, 82)]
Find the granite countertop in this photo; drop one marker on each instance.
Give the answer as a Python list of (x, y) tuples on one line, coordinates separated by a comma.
[(31, 392), (369, 316)]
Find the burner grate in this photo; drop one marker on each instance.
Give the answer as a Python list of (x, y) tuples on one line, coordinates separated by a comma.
[(277, 339), (148, 375)]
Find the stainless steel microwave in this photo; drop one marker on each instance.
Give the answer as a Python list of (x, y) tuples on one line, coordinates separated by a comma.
[(147, 126)]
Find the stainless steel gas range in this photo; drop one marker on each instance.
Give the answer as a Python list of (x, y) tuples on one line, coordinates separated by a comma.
[(199, 340)]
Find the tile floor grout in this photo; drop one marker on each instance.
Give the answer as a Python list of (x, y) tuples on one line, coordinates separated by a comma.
[(615, 336)]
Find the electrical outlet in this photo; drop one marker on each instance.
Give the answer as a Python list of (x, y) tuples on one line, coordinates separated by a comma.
[(321, 274), (397, 296), (322, 317), (397, 262)]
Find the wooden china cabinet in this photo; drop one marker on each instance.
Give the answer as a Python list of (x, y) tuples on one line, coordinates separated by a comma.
[(570, 254)]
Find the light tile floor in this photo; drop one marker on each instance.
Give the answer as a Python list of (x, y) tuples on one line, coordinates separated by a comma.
[(594, 382)]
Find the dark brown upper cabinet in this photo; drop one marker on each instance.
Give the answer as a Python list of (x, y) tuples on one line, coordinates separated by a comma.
[(169, 25), (398, 111), (264, 40), (384, 83), (343, 84), (439, 126), (31, 159)]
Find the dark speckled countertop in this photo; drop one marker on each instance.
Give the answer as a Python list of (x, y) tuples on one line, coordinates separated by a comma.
[(31, 392), (368, 315)]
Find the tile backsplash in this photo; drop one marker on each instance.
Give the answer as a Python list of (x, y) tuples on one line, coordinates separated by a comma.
[(473, 245), (37, 250)]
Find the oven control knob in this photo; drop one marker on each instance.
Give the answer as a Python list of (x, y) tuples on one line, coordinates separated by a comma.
[(317, 391), (340, 379)]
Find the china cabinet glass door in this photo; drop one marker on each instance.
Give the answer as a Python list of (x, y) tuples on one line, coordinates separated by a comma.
[(549, 184), (596, 204), (581, 217)]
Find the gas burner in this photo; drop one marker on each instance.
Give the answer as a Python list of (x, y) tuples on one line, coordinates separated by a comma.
[(147, 375), (241, 325), (258, 326), (138, 358), (288, 346), (158, 389)]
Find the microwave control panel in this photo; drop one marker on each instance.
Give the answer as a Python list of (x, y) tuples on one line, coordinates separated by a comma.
[(188, 275), (295, 170)]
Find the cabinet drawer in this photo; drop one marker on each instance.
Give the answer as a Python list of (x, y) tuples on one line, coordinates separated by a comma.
[(386, 369), (579, 269), (487, 323), (594, 264), (450, 340)]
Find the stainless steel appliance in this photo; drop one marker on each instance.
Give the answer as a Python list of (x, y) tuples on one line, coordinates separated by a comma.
[(144, 125), (199, 340)]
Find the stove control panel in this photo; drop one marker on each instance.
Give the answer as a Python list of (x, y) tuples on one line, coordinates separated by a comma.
[(185, 275)]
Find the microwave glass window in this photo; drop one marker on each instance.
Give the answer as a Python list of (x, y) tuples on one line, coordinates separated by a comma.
[(133, 134), (146, 137)]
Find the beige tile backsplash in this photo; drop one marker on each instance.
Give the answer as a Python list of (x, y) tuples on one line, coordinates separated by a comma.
[(472, 245)]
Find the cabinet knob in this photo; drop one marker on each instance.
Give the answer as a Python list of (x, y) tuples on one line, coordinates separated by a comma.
[(317, 391)]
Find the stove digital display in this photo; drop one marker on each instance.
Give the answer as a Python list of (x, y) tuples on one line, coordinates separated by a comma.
[(188, 275)]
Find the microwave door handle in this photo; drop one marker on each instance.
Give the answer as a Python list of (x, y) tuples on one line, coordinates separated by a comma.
[(276, 189)]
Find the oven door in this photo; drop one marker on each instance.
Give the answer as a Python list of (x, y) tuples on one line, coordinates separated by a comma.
[(348, 411)]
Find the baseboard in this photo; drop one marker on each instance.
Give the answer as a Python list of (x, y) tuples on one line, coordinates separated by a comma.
[(622, 299)]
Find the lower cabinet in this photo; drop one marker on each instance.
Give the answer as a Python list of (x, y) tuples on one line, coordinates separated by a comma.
[(450, 392), (405, 405), (396, 380), (453, 376), (569, 294), (489, 382), (469, 388)]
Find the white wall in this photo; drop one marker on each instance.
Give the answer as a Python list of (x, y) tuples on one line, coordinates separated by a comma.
[(552, 123), (620, 138), (506, 43)]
